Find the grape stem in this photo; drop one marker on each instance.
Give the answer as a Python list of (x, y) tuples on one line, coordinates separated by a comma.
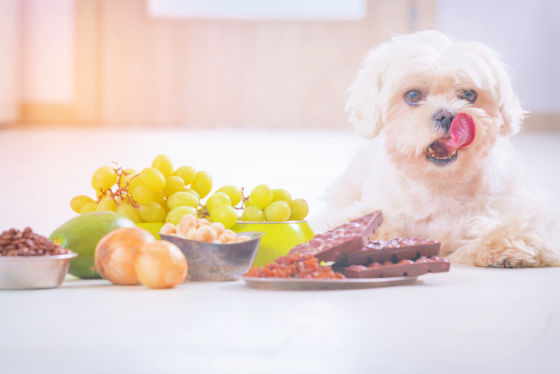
[(243, 199), (121, 193), (203, 211)]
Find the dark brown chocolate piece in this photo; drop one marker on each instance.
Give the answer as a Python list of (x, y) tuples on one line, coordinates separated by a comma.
[(347, 238), (404, 267), (392, 250)]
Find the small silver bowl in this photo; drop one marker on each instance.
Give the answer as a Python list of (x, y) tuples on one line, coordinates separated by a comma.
[(32, 272), (217, 262)]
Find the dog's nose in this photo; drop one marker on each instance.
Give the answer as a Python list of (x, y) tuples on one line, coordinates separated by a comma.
[(443, 119)]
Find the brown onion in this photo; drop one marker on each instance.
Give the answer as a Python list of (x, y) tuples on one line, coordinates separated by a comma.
[(116, 252), (161, 264)]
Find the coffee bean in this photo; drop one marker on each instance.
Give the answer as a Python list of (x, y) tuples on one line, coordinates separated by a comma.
[(26, 243)]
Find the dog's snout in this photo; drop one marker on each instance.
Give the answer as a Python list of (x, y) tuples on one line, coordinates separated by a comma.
[(443, 119)]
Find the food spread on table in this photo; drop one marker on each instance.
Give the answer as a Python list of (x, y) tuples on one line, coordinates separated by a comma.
[(204, 236)]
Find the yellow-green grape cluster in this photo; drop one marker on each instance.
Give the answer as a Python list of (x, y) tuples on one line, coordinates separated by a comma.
[(161, 193), (220, 206), (156, 194), (273, 205), (263, 204)]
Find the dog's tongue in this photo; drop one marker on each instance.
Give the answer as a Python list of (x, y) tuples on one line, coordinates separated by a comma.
[(461, 132)]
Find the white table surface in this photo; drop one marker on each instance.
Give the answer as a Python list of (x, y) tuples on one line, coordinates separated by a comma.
[(466, 321), (469, 320)]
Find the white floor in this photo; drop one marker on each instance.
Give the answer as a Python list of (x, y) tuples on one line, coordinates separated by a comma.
[(469, 320)]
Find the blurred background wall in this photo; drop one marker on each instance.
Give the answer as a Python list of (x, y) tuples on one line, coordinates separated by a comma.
[(146, 63), (9, 60)]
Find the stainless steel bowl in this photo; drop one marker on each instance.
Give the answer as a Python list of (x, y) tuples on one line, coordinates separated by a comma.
[(31, 272), (217, 262)]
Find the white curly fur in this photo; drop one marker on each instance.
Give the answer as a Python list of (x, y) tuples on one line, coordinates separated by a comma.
[(479, 206)]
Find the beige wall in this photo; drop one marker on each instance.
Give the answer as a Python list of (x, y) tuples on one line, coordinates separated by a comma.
[(9, 61), (130, 69), (242, 73), (104, 62)]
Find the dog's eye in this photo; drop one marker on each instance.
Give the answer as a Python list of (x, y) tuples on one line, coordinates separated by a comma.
[(413, 97), (469, 95)]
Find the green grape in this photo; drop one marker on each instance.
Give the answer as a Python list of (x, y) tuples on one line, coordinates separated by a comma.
[(128, 211), (104, 178), (299, 210), (280, 194), (261, 196), (252, 214), (151, 212), (225, 214), (217, 199), (106, 204), (133, 182), (127, 175), (173, 184), (175, 215), (163, 164), (142, 195), (159, 197), (202, 183), (187, 173), (193, 192), (182, 198), (78, 202), (278, 211), (89, 207), (100, 194), (234, 193), (248, 202), (153, 179)]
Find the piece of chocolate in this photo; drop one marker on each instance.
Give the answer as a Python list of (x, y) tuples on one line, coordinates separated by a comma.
[(347, 238), (392, 250), (404, 267)]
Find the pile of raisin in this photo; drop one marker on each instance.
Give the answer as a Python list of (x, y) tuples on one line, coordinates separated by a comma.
[(295, 266)]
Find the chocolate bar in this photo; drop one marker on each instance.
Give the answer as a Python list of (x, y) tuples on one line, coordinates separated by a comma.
[(347, 238), (404, 267), (392, 250)]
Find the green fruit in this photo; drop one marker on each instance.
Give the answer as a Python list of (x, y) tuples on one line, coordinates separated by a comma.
[(278, 211), (81, 235)]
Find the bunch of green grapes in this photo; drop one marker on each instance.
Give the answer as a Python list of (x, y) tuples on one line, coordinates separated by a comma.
[(160, 193), (156, 194), (263, 204)]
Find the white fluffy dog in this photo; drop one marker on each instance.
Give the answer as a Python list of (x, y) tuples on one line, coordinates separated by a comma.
[(440, 164)]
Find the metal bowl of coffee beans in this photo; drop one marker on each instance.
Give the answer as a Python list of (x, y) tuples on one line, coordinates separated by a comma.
[(31, 261)]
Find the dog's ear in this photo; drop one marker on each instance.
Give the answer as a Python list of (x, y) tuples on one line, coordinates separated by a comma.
[(364, 104), (510, 107), (508, 102)]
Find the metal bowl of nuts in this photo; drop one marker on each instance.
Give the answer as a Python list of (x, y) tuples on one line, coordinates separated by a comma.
[(31, 261), (213, 252), (216, 261)]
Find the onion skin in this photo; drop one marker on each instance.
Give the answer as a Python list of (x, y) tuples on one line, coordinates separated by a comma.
[(161, 264), (116, 253)]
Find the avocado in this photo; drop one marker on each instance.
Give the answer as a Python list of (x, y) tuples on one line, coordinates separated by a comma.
[(81, 235)]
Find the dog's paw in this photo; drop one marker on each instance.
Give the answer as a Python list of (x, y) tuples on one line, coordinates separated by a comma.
[(508, 257), (508, 263)]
